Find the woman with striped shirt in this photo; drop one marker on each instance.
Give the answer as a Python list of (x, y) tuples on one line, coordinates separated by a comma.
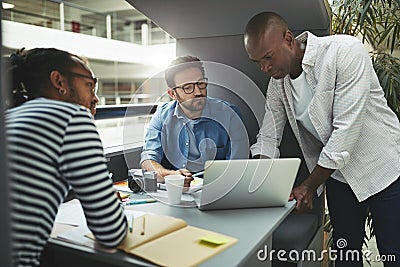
[(53, 146)]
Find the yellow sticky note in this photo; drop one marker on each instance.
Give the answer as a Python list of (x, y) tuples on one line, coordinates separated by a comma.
[(124, 195), (197, 181), (215, 239)]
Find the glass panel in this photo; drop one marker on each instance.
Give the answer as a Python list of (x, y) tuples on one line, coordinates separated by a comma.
[(40, 13), (111, 131), (85, 22), (125, 24)]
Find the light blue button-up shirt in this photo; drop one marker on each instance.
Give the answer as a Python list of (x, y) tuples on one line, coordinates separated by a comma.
[(178, 142)]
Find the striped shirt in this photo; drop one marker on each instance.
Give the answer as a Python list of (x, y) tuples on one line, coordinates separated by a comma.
[(53, 146)]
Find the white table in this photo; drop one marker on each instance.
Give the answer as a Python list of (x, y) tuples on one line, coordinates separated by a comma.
[(253, 228)]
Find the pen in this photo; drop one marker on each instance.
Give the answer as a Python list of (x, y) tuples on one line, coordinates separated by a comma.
[(143, 225), (131, 224), (140, 201), (198, 174)]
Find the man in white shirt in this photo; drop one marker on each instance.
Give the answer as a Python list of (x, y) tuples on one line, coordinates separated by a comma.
[(327, 90)]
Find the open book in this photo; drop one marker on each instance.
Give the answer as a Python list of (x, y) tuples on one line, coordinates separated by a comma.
[(169, 241)]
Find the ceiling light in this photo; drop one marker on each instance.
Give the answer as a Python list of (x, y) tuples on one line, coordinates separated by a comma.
[(7, 5)]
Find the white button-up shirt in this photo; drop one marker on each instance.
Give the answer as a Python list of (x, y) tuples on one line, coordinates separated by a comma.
[(360, 134)]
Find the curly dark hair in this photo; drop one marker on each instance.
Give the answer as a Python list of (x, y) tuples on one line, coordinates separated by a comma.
[(30, 70)]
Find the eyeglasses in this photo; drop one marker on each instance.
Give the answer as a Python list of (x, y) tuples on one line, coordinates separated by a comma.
[(188, 88), (94, 79)]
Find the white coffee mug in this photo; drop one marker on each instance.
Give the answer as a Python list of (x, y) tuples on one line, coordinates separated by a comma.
[(174, 185)]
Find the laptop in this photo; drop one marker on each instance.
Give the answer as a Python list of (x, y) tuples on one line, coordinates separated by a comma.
[(247, 183)]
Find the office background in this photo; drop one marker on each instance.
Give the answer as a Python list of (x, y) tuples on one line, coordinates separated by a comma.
[(134, 33)]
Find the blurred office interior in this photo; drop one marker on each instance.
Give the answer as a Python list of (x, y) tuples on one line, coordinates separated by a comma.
[(125, 49)]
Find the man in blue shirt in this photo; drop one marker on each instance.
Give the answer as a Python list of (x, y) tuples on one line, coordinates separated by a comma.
[(192, 128)]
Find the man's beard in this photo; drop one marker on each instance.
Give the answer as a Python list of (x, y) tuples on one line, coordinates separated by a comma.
[(194, 105)]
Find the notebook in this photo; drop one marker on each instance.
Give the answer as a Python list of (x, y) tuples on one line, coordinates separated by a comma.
[(247, 183), (169, 241)]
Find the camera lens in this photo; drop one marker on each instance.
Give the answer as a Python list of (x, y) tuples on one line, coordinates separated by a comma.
[(136, 185)]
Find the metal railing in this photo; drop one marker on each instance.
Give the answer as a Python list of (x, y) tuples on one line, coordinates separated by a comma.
[(66, 16)]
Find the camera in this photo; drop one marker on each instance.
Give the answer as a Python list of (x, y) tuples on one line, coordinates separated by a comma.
[(141, 180), (135, 184)]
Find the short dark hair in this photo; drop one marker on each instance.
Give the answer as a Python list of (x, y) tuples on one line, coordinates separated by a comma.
[(179, 64), (263, 21), (30, 71)]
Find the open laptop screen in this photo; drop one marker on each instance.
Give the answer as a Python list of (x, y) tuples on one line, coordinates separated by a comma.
[(249, 183)]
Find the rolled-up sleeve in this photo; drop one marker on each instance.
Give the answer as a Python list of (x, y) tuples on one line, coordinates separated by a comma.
[(152, 148)]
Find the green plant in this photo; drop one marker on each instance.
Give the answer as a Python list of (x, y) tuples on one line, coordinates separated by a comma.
[(377, 22), (387, 68)]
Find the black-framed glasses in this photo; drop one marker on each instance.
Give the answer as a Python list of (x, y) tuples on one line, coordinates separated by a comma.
[(188, 88), (94, 79)]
